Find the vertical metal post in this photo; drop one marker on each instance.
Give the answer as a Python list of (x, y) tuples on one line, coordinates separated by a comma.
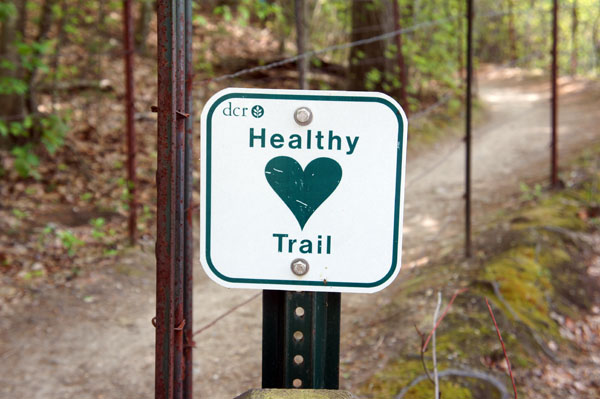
[(468, 129), (128, 47), (179, 197), (301, 37), (400, 56), (189, 189), (301, 340), (554, 105), (165, 217), (174, 250)]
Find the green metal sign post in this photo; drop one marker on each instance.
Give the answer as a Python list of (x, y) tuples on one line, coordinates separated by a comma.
[(301, 340)]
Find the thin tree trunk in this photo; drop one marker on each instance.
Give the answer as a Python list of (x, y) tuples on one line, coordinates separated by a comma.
[(100, 48), (511, 31), (400, 58), (301, 40), (55, 62), (22, 21), (461, 37), (45, 20), (12, 105), (143, 24), (574, 24), (44, 26), (596, 41)]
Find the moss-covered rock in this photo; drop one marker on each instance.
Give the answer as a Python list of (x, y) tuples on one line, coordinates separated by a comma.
[(531, 268)]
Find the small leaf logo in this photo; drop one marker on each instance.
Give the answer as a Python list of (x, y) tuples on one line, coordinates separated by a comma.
[(257, 111)]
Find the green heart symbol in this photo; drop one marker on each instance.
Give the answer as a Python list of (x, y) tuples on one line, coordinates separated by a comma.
[(303, 191)]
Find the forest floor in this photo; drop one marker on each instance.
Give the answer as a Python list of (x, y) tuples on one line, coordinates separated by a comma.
[(93, 338)]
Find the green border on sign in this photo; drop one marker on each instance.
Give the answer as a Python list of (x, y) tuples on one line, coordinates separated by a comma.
[(352, 98)]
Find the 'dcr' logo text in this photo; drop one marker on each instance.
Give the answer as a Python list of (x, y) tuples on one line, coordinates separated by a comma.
[(230, 110)]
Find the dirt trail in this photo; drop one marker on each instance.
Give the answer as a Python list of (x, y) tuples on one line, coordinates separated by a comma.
[(93, 338)]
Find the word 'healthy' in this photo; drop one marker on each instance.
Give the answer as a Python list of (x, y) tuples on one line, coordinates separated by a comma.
[(309, 140)]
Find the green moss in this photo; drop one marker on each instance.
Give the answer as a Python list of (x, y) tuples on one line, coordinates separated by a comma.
[(395, 377), (425, 390), (414, 284), (525, 283), (551, 212), (388, 382)]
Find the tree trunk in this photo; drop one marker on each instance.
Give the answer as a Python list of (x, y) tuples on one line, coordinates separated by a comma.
[(574, 23), (511, 31), (12, 105), (596, 41), (401, 61), (55, 61), (368, 64), (44, 26), (22, 21), (143, 24), (301, 41), (460, 37)]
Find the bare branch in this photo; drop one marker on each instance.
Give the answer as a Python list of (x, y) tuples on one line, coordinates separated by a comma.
[(424, 348), (435, 370), (512, 379), (423, 354)]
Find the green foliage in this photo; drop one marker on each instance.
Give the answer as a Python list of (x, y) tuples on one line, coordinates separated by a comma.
[(126, 193), (19, 214), (54, 131), (31, 55), (51, 131), (145, 217), (69, 241), (86, 196), (200, 20), (530, 193), (225, 12), (98, 228), (10, 85), (33, 131), (267, 13), (374, 76), (7, 10), (26, 162)]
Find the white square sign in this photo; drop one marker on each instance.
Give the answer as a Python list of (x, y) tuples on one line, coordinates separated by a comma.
[(302, 190)]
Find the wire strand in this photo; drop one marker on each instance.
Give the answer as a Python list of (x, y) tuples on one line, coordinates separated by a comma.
[(347, 45)]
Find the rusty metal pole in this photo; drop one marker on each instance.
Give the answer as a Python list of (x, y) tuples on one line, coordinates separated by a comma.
[(400, 57), (554, 101), (468, 129), (179, 197), (188, 201), (165, 187), (128, 47)]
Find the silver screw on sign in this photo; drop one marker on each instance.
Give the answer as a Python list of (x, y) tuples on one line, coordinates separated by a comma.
[(303, 116), (299, 267)]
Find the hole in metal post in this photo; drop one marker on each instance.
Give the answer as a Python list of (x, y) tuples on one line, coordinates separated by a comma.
[(298, 336), (297, 383), (298, 359), (299, 311)]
